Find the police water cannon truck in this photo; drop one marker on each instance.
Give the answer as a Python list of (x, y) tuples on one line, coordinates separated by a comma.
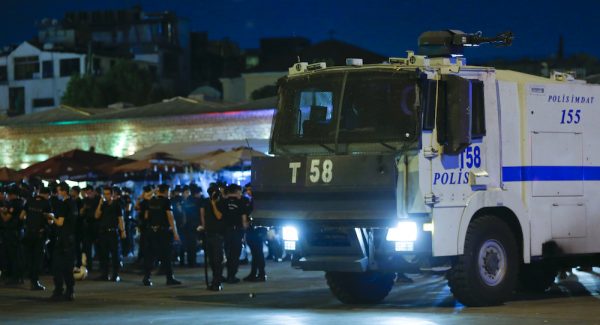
[(426, 163)]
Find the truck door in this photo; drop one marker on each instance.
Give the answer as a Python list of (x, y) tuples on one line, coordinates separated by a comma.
[(466, 138)]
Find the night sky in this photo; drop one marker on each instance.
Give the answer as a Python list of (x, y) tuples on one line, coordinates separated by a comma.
[(386, 27)]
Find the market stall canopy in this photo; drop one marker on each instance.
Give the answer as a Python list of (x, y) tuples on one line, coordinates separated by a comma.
[(8, 175), (190, 151), (77, 165), (238, 157), (156, 162), (197, 159), (108, 167)]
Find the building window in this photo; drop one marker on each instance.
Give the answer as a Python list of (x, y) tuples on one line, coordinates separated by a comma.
[(47, 69), (43, 102), (69, 67), (27, 67), (3, 73)]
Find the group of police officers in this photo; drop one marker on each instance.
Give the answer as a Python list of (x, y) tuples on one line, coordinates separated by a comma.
[(60, 228)]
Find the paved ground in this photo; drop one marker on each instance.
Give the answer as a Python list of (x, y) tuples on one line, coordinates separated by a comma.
[(290, 297)]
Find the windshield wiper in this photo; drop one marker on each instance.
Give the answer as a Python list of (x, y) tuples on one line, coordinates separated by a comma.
[(326, 147), (387, 146)]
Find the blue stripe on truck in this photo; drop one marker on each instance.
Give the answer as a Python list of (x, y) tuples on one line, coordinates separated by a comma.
[(550, 173)]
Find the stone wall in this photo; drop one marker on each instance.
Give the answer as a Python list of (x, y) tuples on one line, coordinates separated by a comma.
[(21, 146)]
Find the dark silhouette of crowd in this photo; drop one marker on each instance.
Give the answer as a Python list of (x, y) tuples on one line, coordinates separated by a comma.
[(68, 232)]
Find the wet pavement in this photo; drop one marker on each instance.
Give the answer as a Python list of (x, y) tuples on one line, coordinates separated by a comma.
[(290, 297)]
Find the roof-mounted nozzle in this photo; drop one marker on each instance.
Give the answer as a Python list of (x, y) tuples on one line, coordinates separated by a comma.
[(451, 42)]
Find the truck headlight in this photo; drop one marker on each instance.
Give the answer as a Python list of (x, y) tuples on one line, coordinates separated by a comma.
[(406, 231), (290, 233)]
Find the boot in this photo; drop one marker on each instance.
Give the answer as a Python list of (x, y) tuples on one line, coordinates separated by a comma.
[(172, 281), (215, 286), (147, 282), (57, 295), (37, 286), (69, 295)]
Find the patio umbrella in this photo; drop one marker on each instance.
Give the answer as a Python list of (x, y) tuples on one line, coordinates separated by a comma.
[(74, 164), (156, 162), (197, 159), (8, 175), (153, 166), (237, 157)]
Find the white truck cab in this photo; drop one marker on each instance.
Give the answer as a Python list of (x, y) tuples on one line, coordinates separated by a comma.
[(424, 162)]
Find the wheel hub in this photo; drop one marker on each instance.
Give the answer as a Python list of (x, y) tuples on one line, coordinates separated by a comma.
[(492, 262)]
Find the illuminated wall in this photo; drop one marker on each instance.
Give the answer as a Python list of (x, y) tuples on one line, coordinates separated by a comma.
[(21, 146)]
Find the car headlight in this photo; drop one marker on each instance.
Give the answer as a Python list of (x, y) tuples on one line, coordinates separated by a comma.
[(405, 231), (290, 233)]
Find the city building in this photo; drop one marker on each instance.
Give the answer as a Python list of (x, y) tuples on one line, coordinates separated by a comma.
[(34, 78), (263, 67), (159, 39)]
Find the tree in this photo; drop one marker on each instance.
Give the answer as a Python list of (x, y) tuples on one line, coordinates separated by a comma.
[(124, 82)]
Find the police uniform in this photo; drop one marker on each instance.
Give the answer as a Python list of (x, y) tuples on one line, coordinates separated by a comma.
[(63, 254), (3, 251), (36, 226), (128, 243), (108, 238), (11, 238), (89, 231), (233, 236), (159, 239), (255, 237), (191, 210), (74, 209), (179, 215), (141, 209), (214, 228)]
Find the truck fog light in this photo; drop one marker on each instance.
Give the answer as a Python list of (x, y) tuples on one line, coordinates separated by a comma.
[(405, 246), (289, 245), (290, 233), (406, 231)]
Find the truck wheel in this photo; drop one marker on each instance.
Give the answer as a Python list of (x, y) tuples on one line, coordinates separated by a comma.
[(360, 288), (486, 274), (536, 278)]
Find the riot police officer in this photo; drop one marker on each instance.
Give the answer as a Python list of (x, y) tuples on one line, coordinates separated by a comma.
[(75, 205), (191, 210), (255, 237), (11, 236), (128, 243), (236, 221), (35, 216), (63, 254), (89, 233), (141, 206), (109, 215), (177, 202), (162, 230), (213, 224)]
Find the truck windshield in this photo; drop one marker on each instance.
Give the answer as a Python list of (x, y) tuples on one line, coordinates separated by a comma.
[(372, 106)]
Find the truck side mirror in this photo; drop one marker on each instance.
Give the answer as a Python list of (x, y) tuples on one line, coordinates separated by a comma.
[(457, 115)]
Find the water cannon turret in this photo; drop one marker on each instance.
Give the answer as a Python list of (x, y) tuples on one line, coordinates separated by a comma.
[(451, 42)]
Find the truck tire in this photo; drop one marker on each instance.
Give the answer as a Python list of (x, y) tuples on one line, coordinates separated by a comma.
[(360, 288), (536, 278), (486, 274)]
